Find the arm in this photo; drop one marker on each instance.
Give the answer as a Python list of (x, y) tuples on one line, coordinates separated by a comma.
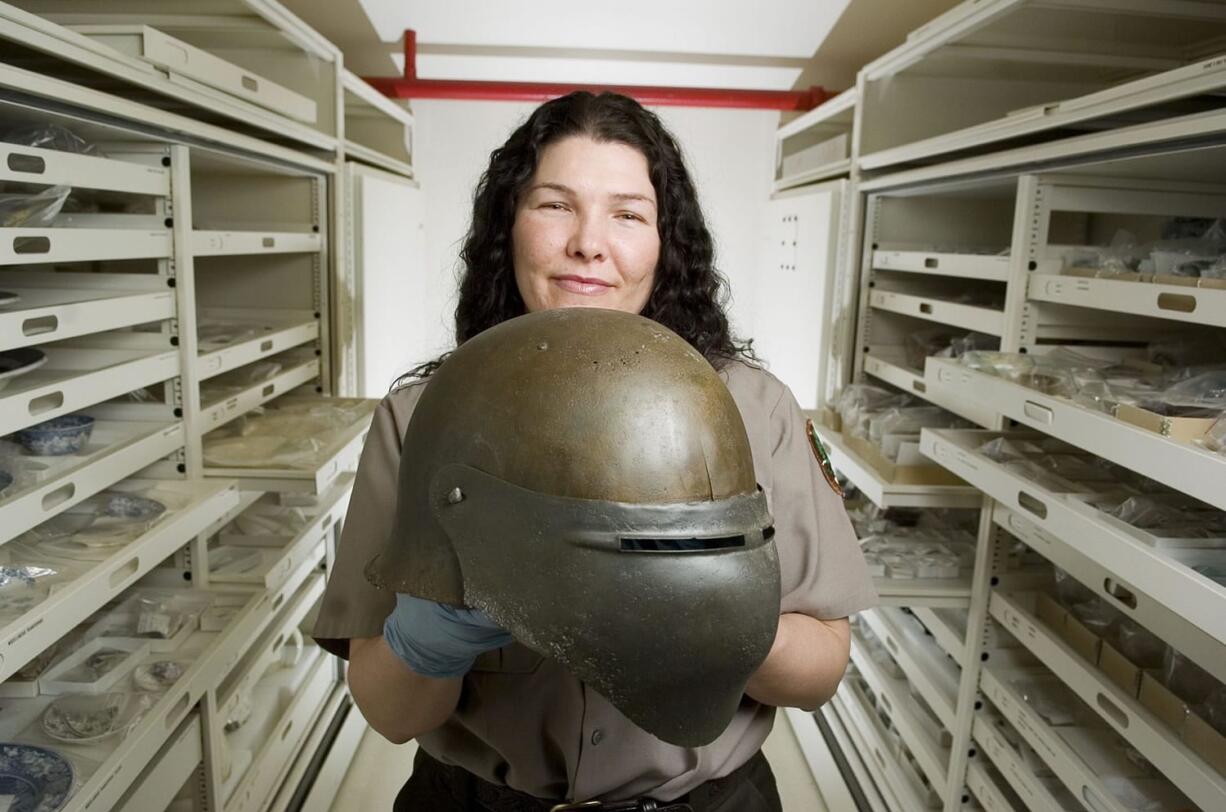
[(805, 662), (398, 703)]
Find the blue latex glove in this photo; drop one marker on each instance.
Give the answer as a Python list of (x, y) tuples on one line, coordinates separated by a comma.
[(437, 640)]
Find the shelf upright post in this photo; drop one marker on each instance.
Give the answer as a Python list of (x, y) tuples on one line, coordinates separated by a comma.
[(213, 729), (1030, 219), (185, 302), (321, 264), (987, 567)]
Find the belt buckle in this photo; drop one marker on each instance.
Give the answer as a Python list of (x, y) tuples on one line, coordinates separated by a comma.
[(576, 806)]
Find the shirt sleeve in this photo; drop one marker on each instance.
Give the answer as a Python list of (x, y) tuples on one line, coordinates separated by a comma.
[(351, 606), (822, 569)]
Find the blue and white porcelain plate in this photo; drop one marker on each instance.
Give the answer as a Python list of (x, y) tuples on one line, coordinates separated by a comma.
[(38, 779)]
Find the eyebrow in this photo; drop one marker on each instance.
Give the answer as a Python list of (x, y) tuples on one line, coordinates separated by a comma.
[(560, 187)]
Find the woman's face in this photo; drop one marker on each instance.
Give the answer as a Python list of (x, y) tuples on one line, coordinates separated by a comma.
[(585, 230)]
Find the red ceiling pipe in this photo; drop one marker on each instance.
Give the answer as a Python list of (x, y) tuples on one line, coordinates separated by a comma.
[(410, 87)]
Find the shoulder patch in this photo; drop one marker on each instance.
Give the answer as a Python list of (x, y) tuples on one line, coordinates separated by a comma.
[(823, 459)]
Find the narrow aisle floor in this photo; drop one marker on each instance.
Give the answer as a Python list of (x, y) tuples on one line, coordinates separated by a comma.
[(380, 768)]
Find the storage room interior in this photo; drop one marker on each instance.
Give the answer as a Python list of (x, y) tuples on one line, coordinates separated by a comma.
[(981, 244)]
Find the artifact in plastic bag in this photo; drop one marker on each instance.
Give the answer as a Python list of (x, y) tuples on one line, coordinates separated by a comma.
[(22, 587), (859, 400), (1188, 351), (1215, 438), (1186, 679), (158, 675), (971, 342), (925, 342), (1070, 591), (51, 136), (1139, 644), (1204, 391), (1007, 365), (1121, 258), (1096, 615), (87, 718), (1053, 700), (241, 713), (32, 209)]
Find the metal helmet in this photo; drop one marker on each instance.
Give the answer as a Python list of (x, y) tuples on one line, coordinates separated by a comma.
[(584, 477)]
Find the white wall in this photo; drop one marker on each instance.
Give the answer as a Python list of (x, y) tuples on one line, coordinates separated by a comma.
[(729, 152)]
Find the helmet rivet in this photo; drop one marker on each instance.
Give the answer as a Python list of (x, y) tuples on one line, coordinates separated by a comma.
[(544, 345), (456, 496)]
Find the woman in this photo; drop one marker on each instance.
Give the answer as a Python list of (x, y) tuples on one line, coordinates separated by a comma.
[(588, 204)]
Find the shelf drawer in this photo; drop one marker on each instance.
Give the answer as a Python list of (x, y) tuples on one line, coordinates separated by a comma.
[(74, 379), (192, 506), (178, 57), (234, 243), (966, 266), (222, 411), (31, 246), (54, 167), (1187, 304), (1157, 743), (1124, 571), (1037, 797), (968, 317), (1184, 467), (980, 781), (51, 314), (118, 449), (269, 335), (887, 363), (169, 770)]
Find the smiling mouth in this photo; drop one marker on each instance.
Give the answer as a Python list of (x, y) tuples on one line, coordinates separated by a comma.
[(583, 285)]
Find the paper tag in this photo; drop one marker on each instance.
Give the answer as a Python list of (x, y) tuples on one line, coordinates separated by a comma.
[(153, 623)]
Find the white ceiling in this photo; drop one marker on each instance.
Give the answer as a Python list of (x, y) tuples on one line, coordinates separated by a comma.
[(716, 43)]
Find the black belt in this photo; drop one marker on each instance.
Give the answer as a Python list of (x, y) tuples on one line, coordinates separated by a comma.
[(502, 798)]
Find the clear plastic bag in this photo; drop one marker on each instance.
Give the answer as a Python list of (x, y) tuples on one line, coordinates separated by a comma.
[(1215, 437), (1186, 679), (1206, 390), (1139, 644), (51, 136), (32, 209)]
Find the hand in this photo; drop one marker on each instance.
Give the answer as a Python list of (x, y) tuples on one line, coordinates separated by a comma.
[(437, 640)]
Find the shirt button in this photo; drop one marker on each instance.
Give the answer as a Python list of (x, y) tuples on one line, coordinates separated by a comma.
[(597, 736)]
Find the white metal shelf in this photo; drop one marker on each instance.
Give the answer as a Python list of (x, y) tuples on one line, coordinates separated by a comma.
[(831, 119), (866, 730), (277, 331), (990, 267), (74, 601), (74, 379), (847, 741), (1154, 740), (240, 243), (945, 630), (55, 167), (937, 593), (1182, 466), (1038, 798), (30, 246), (1151, 585), (833, 169), (378, 131), (170, 769), (340, 455), (894, 695), (1196, 305), (117, 449), (53, 313), (925, 665), (219, 410), (285, 703), (1059, 756), (885, 494), (967, 317), (980, 782), (888, 363)]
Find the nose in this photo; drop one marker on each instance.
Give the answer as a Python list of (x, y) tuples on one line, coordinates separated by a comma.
[(588, 240)]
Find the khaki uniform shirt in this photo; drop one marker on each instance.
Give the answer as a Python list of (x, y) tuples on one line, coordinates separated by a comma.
[(522, 719)]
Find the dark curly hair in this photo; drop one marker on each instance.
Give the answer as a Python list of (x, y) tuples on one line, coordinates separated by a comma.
[(688, 294)]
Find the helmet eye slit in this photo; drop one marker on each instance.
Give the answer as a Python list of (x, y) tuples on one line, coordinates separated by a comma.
[(680, 545)]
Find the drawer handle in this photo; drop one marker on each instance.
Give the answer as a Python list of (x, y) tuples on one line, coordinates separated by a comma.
[(59, 496), (1031, 504), (268, 390), (124, 572), (277, 603), (288, 727), (266, 345), (1118, 591), (269, 242), (31, 245), (919, 386), (880, 759), (46, 403), (32, 164), (885, 703), (249, 83), (1113, 710), (40, 325), (1179, 302), (925, 308), (931, 262), (1037, 411)]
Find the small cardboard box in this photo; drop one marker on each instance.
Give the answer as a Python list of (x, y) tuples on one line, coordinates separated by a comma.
[(1212, 283), (1184, 429), (1119, 669), (1083, 641), (1050, 612), (1202, 738), (900, 474), (830, 418), (1155, 696)]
